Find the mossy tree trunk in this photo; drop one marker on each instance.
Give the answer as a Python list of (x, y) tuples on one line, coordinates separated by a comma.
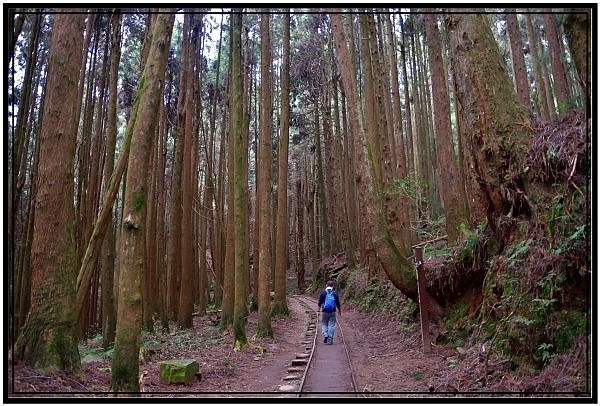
[(362, 184), (188, 242), (519, 70), (132, 255), (450, 186), (108, 245), (577, 26), (281, 233), (392, 254), (48, 338), (493, 117), (240, 309), (264, 191)]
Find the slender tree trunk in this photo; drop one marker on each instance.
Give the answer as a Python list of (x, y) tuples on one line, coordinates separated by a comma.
[(518, 58), (561, 90), (186, 293), (132, 258), (264, 191), (540, 85), (449, 179), (48, 338), (161, 262), (362, 176), (282, 238), (410, 159), (300, 236), (16, 181), (176, 210), (228, 294), (108, 246), (240, 189)]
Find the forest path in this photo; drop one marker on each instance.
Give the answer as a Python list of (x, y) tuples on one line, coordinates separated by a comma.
[(386, 357)]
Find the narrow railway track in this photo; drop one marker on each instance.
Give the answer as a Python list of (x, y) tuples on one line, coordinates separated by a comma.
[(338, 374)]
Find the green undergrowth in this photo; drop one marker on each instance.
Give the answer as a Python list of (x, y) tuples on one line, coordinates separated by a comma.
[(376, 295)]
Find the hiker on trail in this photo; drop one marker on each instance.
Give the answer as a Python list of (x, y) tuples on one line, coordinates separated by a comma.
[(328, 302)]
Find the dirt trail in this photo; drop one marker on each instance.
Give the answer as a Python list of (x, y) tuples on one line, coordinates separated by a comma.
[(386, 355)]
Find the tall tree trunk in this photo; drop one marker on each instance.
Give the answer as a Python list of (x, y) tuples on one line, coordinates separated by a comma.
[(48, 337), (161, 262), (577, 26), (407, 102), (281, 237), (561, 90), (16, 181), (300, 236), (518, 58), (176, 210), (494, 118), (228, 280), (108, 246), (132, 259), (401, 161), (186, 293), (540, 85), (449, 179), (345, 56), (264, 192), (90, 204), (324, 225), (351, 199), (240, 188)]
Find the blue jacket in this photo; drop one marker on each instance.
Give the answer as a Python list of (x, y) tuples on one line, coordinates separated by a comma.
[(322, 299)]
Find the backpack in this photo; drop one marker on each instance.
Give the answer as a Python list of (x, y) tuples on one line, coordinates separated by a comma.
[(329, 304)]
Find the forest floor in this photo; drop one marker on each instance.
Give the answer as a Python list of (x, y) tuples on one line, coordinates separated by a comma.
[(386, 354)]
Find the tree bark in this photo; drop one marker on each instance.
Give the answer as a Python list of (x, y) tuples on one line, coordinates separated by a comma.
[(281, 237), (540, 85), (48, 338), (264, 192), (494, 118), (518, 59), (577, 27), (186, 293), (240, 189), (561, 89), (108, 246), (450, 186), (132, 256)]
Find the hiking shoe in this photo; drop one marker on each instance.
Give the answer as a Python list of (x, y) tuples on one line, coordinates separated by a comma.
[(325, 339), (330, 341)]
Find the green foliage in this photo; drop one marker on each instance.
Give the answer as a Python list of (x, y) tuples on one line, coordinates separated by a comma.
[(555, 213), (517, 253), (375, 295), (469, 245), (569, 325), (542, 353), (522, 313), (457, 324)]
